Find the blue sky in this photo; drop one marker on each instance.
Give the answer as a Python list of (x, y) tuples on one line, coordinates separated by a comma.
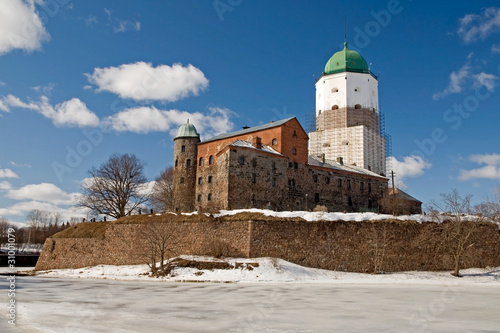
[(81, 80)]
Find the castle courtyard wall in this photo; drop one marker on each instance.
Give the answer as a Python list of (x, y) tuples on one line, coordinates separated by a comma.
[(344, 246)]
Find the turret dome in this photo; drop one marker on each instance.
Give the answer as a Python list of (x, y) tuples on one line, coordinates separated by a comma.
[(187, 130), (346, 61)]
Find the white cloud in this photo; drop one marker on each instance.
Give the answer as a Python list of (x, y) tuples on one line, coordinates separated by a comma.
[(24, 165), (495, 48), (141, 81), (117, 24), (457, 82), (8, 173), (485, 80), (474, 26), (491, 169), (43, 192), (150, 119), (5, 185), (69, 113), (3, 106), (409, 167), (21, 27)]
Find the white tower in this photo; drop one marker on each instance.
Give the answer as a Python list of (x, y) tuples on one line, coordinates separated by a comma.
[(347, 114)]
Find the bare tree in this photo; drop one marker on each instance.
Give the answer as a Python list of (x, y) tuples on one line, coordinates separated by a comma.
[(457, 229), (162, 195), (116, 188), (157, 244)]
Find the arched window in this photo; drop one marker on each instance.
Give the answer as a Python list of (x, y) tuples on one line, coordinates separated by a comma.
[(211, 160), (357, 106), (242, 160), (275, 142), (188, 163), (181, 180), (183, 149), (335, 107), (294, 151), (201, 161), (176, 162)]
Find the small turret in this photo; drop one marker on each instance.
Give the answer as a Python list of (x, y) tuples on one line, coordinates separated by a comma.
[(185, 163)]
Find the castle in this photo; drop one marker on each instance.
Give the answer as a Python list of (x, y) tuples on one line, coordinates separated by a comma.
[(278, 165)]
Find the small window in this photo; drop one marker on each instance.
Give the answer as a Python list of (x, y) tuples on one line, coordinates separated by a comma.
[(254, 162), (275, 142), (370, 204), (200, 181), (315, 178), (291, 182), (349, 201), (335, 107), (335, 90), (327, 180), (294, 151), (349, 184), (201, 161), (188, 163), (199, 197), (254, 178), (295, 165), (273, 182), (369, 187), (176, 163), (242, 160), (357, 106), (210, 178), (183, 149), (339, 183), (361, 186), (316, 197), (294, 133), (211, 160), (209, 197), (290, 164), (181, 180), (274, 166), (356, 89)]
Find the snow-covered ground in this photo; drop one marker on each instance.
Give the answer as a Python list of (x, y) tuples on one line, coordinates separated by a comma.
[(272, 270)]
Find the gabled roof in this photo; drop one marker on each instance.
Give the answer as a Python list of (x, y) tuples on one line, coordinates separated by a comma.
[(316, 161), (403, 195), (246, 144), (250, 130)]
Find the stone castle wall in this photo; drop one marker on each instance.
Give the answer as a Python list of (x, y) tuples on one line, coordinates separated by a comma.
[(346, 246)]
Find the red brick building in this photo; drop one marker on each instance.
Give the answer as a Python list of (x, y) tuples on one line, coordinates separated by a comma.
[(267, 166)]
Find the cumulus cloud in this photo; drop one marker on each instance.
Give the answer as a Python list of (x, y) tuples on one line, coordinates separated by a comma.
[(486, 80), (457, 82), (5, 185), (150, 119), (69, 113), (21, 27), (409, 167), (3, 106), (479, 26), (141, 81), (21, 208), (490, 169), (118, 25), (8, 173), (44, 192)]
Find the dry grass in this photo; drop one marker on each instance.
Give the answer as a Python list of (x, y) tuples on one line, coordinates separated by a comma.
[(84, 230)]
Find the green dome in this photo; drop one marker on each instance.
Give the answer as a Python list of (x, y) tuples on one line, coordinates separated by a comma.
[(346, 61), (187, 130)]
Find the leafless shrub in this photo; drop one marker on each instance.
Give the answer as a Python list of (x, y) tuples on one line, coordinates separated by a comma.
[(158, 244)]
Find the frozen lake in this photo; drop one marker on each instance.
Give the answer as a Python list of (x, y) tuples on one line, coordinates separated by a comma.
[(88, 305)]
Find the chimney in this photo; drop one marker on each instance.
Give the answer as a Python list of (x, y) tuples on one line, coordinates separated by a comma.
[(256, 142), (340, 160), (323, 158)]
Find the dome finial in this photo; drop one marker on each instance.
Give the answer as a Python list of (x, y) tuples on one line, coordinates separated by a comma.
[(188, 121)]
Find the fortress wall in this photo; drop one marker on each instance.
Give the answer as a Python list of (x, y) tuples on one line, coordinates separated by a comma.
[(345, 246)]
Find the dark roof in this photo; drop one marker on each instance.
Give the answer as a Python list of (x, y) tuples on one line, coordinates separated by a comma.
[(403, 195), (249, 130)]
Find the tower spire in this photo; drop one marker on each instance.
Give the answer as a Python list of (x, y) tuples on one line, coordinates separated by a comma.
[(345, 31)]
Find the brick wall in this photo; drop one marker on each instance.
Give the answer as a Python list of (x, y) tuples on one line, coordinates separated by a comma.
[(346, 246)]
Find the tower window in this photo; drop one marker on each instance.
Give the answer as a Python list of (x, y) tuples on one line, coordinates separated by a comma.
[(275, 142), (188, 163), (199, 197), (242, 160), (200, 181), (357, 106), (254, 178), (176, 162), (315, 178), (361, 186), (335, 107), (273, 182), (209, 197), (211, 160), (357, 89), (335, 90), (369, 187), (294, 151), (254, 162), (339, 183), (327, 180), (349, 201), (349, 184), (181, 180), (210, 178), (183, 149), (316, 197), (201, 161)]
